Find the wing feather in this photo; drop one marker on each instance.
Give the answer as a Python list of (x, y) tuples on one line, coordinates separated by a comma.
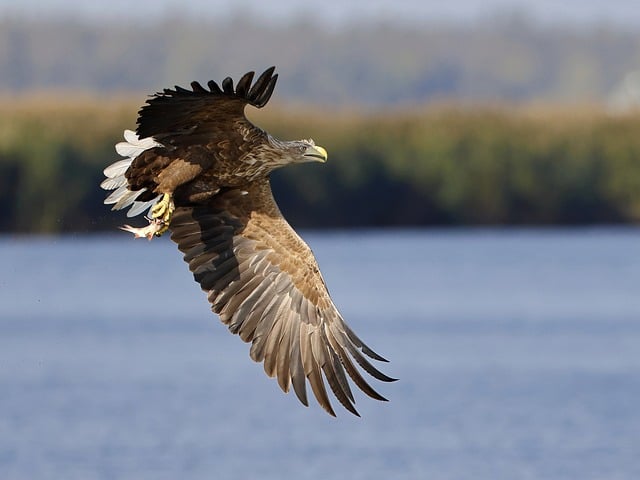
[(172, 113), (226, 313), (312, 369), (263, 281), (197, 88), (262, 305), (214, 87), (272, 340), (298, 378), (284, 354), (352, 370), (337, 380), (242, 89), (262, 86), (246, 316)]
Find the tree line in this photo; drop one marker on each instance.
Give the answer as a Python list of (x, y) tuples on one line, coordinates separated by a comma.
[(374, 64), (433, 165)]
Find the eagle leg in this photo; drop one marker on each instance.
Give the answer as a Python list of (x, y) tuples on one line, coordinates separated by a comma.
[(162, 212)]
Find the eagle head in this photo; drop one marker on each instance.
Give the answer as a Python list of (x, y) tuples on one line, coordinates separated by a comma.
[(303, 151), (280, 153)]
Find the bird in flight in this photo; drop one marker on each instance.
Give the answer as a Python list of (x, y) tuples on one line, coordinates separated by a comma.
[(201, 169)]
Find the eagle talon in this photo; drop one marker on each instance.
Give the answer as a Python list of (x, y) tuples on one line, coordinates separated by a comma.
[(163, 210), (163, 228)]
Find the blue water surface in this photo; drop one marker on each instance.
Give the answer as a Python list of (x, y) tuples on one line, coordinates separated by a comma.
[(518, 354)]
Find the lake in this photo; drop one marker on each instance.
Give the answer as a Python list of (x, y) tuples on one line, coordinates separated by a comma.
[(518, 354)]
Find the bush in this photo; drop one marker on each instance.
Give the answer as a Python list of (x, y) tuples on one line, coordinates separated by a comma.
[(439, 165)]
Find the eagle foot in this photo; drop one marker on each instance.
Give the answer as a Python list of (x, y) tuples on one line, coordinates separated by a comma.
[(163, 210)]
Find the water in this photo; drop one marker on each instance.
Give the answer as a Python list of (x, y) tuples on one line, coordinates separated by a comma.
[(518, 355)]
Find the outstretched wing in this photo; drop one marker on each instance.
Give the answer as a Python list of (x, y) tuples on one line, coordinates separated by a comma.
[(182, 133), (264, 283), (199, 116)]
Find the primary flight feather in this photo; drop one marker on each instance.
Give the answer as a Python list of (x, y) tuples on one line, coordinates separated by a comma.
[(202, 170)]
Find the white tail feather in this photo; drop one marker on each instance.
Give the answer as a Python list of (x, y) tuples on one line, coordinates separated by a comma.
[(117, 169), (116, 195), (140, 207), (113, 183), (122, 197), (131, 137), (127, 199)]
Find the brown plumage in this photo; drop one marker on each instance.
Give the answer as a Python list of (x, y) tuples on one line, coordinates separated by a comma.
[(197, 151)]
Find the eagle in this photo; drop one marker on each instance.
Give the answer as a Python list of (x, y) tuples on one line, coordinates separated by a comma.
[(201, 169)]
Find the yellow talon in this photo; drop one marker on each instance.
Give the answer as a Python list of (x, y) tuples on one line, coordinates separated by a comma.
[(163, 211), (163, 229), (161, 214)]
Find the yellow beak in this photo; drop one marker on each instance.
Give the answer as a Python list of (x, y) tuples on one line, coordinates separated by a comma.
[(316, 153)]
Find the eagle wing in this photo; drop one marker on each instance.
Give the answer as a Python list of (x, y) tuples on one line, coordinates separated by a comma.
[(177, 117), (260, 276), (263, 281), (181, 134)]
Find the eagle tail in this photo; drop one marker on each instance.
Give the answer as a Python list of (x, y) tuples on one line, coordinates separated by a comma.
[(122, 196)]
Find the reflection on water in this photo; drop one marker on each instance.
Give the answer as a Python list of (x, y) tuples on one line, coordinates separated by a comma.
[(517, 352)]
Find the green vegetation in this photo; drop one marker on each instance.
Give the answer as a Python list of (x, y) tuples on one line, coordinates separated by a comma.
[(439, 165)]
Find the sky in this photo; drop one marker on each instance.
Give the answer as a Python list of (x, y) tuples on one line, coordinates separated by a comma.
[(339, 12)]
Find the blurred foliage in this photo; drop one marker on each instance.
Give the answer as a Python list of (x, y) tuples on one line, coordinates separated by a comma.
[(437, 165), (507, 57)]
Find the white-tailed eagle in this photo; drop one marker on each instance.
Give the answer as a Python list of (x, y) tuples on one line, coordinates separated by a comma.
[(202, 170)]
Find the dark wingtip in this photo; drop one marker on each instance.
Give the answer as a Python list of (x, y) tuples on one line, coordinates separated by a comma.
[(181, 90), (242, 88), (264, 98), (262, 89), (214, 87), (197, 88), (257, 94), (371, 354), (326, 406), (301, 392), (268, 72), (227, 86)]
